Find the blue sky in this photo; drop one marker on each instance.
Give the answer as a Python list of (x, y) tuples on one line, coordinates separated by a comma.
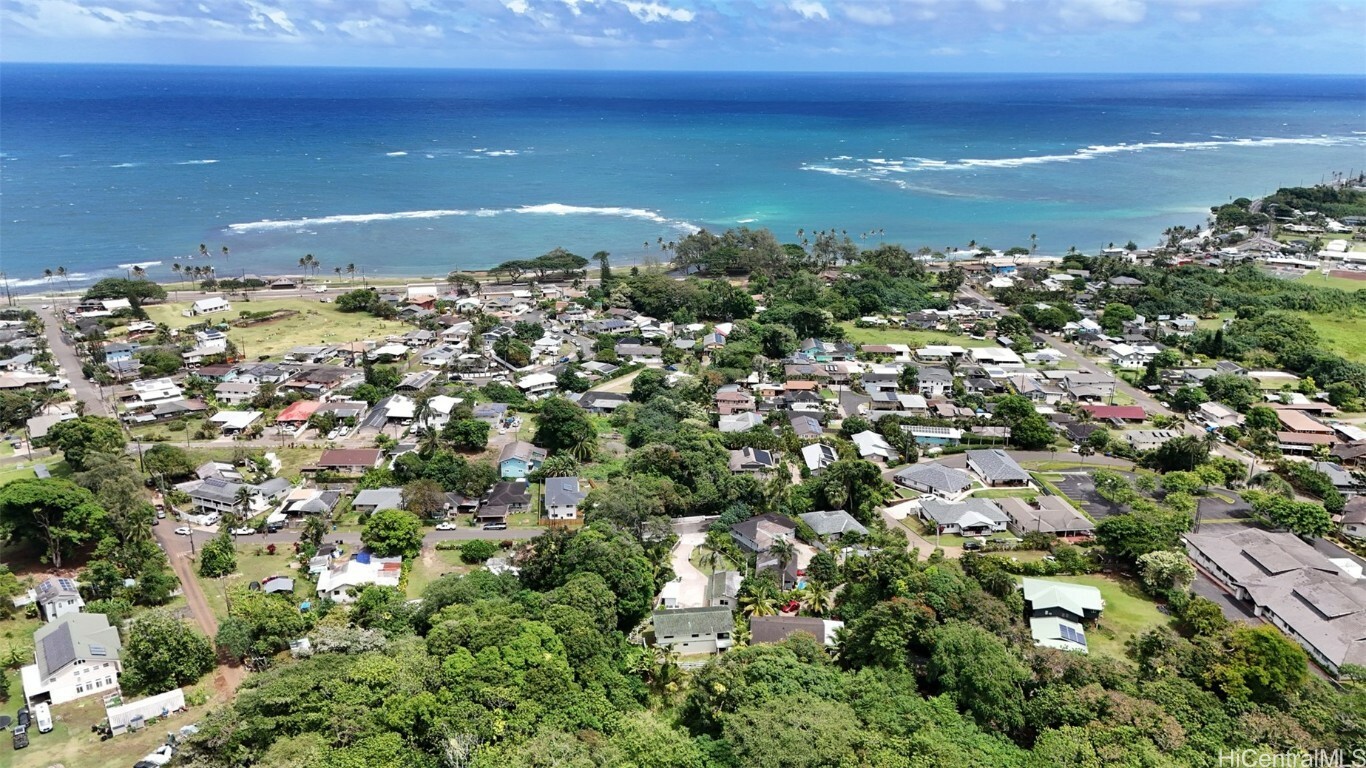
[(1310, 36)]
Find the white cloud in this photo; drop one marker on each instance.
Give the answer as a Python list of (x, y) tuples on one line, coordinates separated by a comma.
[(870, 15), (946, 50), (260, 14), (1114, 11), (655, 11), (810, 9), (518, 7)]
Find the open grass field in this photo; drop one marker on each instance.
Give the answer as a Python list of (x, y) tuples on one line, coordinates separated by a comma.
[(1128, 612), (911, 338), (24, 470), (1345, 335), (432, 565), (1328, 281), (1002, 493), (701, 560), (317, 323)]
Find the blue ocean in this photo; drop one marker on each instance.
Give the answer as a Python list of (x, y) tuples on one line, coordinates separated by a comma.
[(417, 173)]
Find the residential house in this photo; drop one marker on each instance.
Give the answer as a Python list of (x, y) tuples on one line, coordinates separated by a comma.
[(740, 422), (538, 385), (1343, 480), (342, 581), (1132, 356), (1057, 611), (493, 413), (503, 499), (973, 516), (1353, 520), (997, 468), (940, 436), (730, 399), (56, 597), (752, 460), (935, 382), (805, 427), (872, 447), (694, 630), (758, 533), (775, 629), (723, 589), (76, 656), (1292, 586), (519, 459), (1116, 413), (208, 306), (1093, 387), (374, 499), (818, 456), (352, 461), (1218, 415), (1148, 439), (563, 495), (939, 480), (640, 353), (602, 402), (1046, 514), (833, 524)]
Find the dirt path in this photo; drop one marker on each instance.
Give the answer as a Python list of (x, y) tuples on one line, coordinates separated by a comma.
[(225, 678)]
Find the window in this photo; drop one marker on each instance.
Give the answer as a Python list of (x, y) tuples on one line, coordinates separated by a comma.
[(80, 689), (109, 681), (98, 684)]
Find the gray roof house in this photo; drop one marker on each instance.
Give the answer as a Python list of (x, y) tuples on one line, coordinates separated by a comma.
[(752, 460), (1048, 514), (758, 533), (806, 427), (694, 630), (76, 656), (372, 499), (563, 496), (970, 517), (1291, 585), (934, 478), (775, 629), (997, 468), (57, 597), (1057, 610), (723, 589), (833, 523)]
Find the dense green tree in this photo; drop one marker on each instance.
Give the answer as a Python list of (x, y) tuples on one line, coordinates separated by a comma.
[(981, 674), (168, 461), (1133, 535), (466, 434), (218, 556), (647, 384), (1258, 663), (796, 731), (162, 652), (1187, 399), (55, 514), (477, 551), (393, 533), (564, 427), (1165, 570), (81, 437)]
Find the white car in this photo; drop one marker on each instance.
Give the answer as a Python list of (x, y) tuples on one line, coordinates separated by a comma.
[(333, 434), (183, 530), (243, 531), (445, 526), (161, 756)]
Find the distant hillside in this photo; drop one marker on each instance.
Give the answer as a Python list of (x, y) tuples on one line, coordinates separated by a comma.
[(1328, 200)]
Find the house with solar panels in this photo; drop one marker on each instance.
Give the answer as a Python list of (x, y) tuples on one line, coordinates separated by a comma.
[(1058, 611), (57, 597), (77, 656)]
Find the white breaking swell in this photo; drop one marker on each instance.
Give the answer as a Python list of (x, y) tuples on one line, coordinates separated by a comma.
[(546, 209)]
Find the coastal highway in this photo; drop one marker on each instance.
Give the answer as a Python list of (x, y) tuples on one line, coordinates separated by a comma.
[(1149, 403)]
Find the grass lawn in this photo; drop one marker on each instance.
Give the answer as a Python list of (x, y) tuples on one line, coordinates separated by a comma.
[(6, 449), (911, 338), (1328, 281), (701, 560), (432, 565), (292, 460), (1345, 335), (316, 323), (1002, 493), (528, 519), (72, 744), (939, 540), (57, 467), (16, 634), (1128, 612)]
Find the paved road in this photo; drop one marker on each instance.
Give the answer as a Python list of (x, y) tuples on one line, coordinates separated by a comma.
[(81, 389)]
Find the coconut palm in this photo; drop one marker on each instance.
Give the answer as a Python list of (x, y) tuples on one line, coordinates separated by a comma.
[(65, 275), (337, 271), (225, 251), (761, 600), (47, 275), (139, 273), (351, 271), (204, 250), (816, 599), (785, 551)]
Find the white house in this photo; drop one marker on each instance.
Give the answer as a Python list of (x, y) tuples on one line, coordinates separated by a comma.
[(537, 384), (872, 447), (563, 496), (57, 597), (208, 306), (156, 391), (338, 581), (77, 656)]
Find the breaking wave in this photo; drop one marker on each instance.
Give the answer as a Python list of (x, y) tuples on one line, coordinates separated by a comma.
[(545, 209)]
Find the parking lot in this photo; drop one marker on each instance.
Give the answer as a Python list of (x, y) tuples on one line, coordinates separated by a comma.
[(1081, 489)]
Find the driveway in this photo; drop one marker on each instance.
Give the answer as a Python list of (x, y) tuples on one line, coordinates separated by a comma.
[(692, 591), (914, 541)]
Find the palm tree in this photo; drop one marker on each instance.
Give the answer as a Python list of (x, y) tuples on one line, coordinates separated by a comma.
[(225, 251), (204, 250), (139, 272), (303, 265), (47, 275), (816, 599), (62, 273), (1033, 242), (351, 272), (786, 552), (337, 270), (429, 442), (241, 506), (760, 601)]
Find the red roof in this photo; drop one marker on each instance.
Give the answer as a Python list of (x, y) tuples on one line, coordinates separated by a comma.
[(299, 410), (1122, 412)]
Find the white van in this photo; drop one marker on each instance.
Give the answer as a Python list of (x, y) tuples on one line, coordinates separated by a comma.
[(42, 717)]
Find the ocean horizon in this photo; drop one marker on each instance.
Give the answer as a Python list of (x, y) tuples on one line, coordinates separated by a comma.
[(419, 172)]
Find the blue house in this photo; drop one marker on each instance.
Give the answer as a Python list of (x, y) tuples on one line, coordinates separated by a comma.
[(519, 459), (119, 352)]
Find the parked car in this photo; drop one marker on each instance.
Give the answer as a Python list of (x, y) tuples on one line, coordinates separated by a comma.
[(24, 718), (161, 513), (274, 527), (972, 546), (42, 715), (495, 526), (20, 737), (161, 756), (183, 530), (447, 526), (244, 531)]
